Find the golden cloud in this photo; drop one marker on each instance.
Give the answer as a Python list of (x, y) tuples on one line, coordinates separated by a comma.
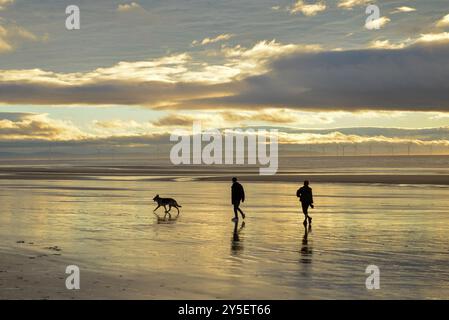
[(307, 9), (206, 41), (350, 4), (11, 34), (38, 127), (127, 7), (444, 22), (404, 9)]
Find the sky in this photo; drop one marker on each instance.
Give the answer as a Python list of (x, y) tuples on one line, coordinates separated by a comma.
[(137, 70)]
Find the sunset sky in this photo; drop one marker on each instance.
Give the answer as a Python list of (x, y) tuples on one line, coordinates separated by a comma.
[(136, 71)]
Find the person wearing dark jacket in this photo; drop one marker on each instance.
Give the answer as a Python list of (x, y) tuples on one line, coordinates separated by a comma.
[(237, 195), (306, 197)]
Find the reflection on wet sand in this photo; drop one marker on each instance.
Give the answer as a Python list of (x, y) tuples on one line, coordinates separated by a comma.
[(237, 243), (164, 220), (306, 248)]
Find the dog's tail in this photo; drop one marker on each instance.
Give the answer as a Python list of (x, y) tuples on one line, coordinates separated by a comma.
[(178, 205)]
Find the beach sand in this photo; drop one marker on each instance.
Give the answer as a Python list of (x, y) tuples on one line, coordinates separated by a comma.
[(106, 227), (27, 274)]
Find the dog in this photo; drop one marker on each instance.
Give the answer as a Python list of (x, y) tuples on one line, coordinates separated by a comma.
[(164, 202)]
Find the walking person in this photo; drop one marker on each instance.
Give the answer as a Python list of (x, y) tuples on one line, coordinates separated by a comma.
[(237, 195), (306, 197)]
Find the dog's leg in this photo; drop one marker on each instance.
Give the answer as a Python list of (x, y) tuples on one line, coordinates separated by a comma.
[(156, 208), (169, 209), (165, 208), (178, 212)]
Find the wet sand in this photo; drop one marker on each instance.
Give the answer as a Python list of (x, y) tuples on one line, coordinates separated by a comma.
[(38, 275), (172, 174), (107, 228)]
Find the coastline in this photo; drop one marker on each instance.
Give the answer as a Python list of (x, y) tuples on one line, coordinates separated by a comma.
[(357, 179), (167, 175)]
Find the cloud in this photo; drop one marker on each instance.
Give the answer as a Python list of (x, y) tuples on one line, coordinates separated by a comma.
[(5, 3), (233, 118), (337, 137), (403, 9), (377, 23), (28, 132), (178, 120), (380, 79), (434, 37), (444, 22), (350, 4), (386, 44), (11, 34), (206, 41), (127, 7), (25, 126), (307, 9), (276, 116), (5, 46), (239, 62), (427, 38), (18, 137), (267, 75), (255, 60)]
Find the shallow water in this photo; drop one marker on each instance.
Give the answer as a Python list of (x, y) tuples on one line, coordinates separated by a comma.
[(109, 225)]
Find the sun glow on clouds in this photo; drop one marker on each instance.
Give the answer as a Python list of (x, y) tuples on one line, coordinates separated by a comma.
[(127, 7), (239, 61), (444, 22), (434, 37), (341, 138), (38, 127), (206, 41), (386, 44), (268, 74), (350, 4), (307, 9), (11, 34), (403, 9), (131, 134)]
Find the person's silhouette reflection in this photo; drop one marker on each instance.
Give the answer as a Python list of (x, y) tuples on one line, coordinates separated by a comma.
[(306, 248), (236, 243)]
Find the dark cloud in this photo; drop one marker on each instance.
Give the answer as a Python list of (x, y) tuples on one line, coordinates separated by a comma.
[(281, 116), (150, 93), (175, 120), (415, 78)]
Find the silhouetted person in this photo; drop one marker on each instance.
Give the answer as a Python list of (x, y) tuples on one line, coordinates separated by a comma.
[(305, 196), (238, 194)]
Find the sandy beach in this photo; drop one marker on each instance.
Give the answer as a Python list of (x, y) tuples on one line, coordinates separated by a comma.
[(105, 226), (28, 274)]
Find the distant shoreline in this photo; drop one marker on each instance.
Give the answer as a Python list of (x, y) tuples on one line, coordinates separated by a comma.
[(370, 179), (178, 175)]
